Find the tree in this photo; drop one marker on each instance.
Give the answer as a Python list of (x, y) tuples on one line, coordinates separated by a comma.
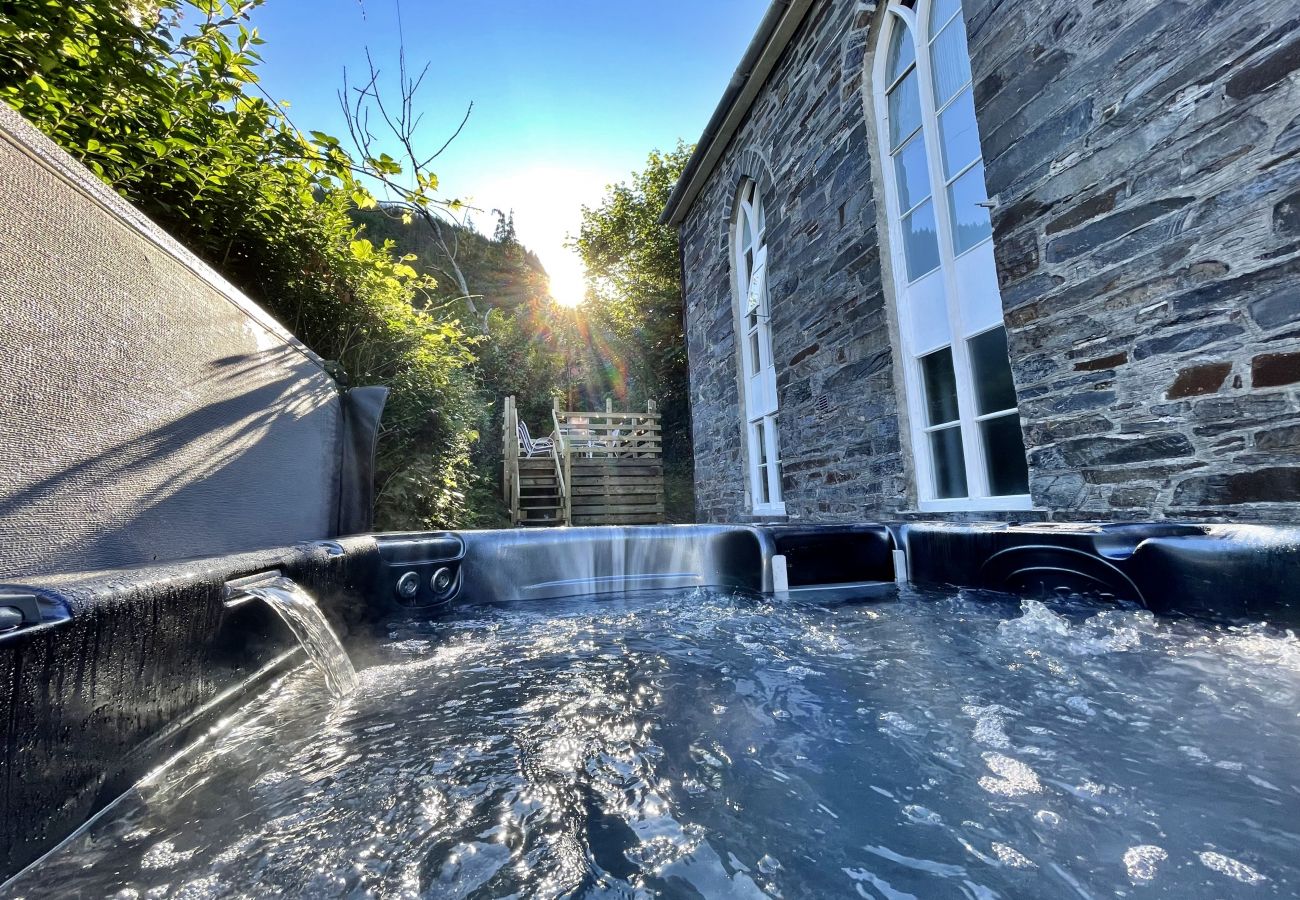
[(635, 297), (160, 99)]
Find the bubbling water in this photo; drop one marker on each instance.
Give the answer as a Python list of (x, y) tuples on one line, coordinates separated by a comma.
[(932, 745)]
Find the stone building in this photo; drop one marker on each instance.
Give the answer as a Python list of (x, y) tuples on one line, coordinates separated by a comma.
[(974, 258)]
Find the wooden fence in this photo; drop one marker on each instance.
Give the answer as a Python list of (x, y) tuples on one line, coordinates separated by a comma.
[(603, 468)]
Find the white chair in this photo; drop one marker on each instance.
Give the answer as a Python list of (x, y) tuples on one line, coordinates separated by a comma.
[(530, 447)]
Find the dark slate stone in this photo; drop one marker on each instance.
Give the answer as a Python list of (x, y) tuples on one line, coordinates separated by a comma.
[(1195, 381), (1111, 227), (1266, 73), (855, 372), (1279, 307), (1030, 289), (1227, 142), (1017, 256), (1087, 210), (1102, 362), (1285, 438), (1279, 484), (1133, 497), (1221, 415), (1039, 145), (1074, 401), (1063, 491), (1288, 141), (1184, 341), (1050, 432), (1115, 451), (1274, 369), (1008, 219), (1286, 215), (804, 354), (1241, 193)]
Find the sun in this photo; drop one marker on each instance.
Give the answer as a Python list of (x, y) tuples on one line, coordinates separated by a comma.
[(568, 279)]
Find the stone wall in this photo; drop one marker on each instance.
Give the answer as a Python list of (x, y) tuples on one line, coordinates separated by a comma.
[(806, 142), (1146, 162)]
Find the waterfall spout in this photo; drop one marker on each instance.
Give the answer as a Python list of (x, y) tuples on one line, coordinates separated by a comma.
[(308, 624)]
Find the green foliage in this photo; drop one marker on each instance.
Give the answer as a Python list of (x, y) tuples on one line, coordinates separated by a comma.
[(160, 99), (521, 358), (635, 298)]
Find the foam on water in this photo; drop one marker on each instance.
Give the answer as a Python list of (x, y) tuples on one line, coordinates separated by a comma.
[(728, 746)]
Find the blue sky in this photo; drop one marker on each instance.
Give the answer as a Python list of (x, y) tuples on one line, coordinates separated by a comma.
[(568, 96)]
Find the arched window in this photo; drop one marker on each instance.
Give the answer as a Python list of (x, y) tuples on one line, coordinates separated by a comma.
[(759, 374), (965, 427)]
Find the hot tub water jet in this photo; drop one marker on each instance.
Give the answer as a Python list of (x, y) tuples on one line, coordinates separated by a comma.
[(300, 612)]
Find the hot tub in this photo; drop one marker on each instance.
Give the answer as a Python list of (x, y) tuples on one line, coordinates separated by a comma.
[(882, 711)]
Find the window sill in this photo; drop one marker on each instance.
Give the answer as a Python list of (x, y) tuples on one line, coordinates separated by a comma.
[(768, 509), (1012, 503)]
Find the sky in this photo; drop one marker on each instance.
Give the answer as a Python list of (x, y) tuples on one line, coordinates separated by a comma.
[(568, 97)]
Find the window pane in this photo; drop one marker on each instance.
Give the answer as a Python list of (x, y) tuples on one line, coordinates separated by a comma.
[(950, 62), (920, 243), (904, 110), (774, 467), (764, 494), (959, 135), (940, 386), (994, 389), (760, 441), (754, 361), (760, 216), (912, 174), (949, 463), (902, 52), (941, 11), (746, 232), (970, 221), (1004, 454)]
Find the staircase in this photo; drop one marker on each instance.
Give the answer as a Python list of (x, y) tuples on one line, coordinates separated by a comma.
[(540, 501)]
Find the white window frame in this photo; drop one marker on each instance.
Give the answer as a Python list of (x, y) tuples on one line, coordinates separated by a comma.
[(759, 408), (978, 496)]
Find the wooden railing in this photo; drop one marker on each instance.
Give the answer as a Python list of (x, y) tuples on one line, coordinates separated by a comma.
[(629, 435), (562, 476), (608, 465), (510, 457)]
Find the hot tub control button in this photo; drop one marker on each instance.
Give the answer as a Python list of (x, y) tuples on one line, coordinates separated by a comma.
[(408, 586), (441, 581)]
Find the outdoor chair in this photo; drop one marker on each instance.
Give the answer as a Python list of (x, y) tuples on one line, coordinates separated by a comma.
[(530, 447)]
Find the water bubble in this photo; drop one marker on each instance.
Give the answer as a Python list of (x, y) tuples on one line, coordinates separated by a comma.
[(896, 722), (1048, 818), (1014, 778), (164, 855), (1081, 705), (921, 815), (990, 724), (1226, 865), (1012, 858), (1142, 861)]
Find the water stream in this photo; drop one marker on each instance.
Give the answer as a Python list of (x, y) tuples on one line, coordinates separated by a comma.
[(308, 624)]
